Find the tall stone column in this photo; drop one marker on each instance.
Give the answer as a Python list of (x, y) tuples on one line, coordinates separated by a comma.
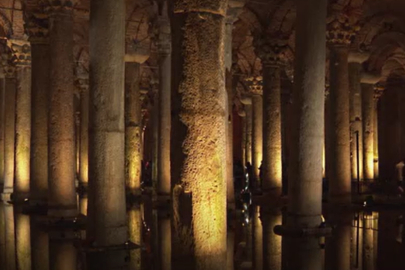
[(305, 168), (378, 91), (271, 52), (197, 153), (2, 126), (83, 84), (165, 59), (40, 63), (248, 130), (339, 124), (107, 208), (22, 52), (133, 128), (9, 131), (356, 125), (256, 89), (61, 129)]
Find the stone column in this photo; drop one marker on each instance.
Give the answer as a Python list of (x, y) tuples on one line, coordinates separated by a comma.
[(271, 51), (256, 89), (22, 52), (305, 169), (133, 128), (83, 85), (356, 126), (9, 131), (197, 153), (61, 129), (164, 47), (2, 126), (247, 101), (339, 124), (378, 91), (40, 63), (107, 208)]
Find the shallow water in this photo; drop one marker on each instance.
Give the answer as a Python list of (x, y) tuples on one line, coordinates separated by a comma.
[(366, 240)]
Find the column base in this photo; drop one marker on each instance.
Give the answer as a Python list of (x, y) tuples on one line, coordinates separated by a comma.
[(6, 197), (20, 198), (62, 212)]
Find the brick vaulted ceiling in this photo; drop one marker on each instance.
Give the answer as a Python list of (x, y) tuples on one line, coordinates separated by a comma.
[(381, 30)]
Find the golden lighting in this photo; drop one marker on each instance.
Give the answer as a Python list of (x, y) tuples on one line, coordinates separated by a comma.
[(135, 235), (22, 172), (23, 241)]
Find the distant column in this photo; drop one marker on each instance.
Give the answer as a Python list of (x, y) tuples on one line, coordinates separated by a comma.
[(378, 91), (2, 126)]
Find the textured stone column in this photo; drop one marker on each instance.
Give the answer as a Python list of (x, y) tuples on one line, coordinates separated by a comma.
[(9, 132), (165, 72), (305, 168), (356, 125), (248, 131), (256, 89), (133, 138), (22, 52), (271, 52), (2, 126), (197, 153), (83, 84), (107, 209), (23, 240), (378, 91), (61, 129), (339, 124), (40, 63)]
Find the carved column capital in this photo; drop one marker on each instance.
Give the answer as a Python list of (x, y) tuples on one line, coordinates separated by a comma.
[(378, 91), (21, 53), (272, 51), (162, 33), (255, 84), (340, 30), (58, 5), (36, 27)]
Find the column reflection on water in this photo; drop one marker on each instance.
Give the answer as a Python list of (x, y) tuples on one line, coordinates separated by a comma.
[(161, 240), (62, 252), (10, 237), (23, 240), (364, 241), (39, 245), (2, 236), (135, 235), (257, 240), (271, 241), (302, 253)]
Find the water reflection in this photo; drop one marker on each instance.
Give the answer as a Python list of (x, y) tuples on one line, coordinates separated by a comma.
[(361, 240)]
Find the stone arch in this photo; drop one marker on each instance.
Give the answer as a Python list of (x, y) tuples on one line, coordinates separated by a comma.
[(6, 25)]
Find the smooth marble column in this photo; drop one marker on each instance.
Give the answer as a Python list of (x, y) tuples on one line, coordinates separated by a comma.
[(61, 129), (107, 224), (198, 155)]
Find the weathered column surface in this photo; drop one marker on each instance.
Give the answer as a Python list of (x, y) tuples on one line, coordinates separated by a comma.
[(106, 213), (198, 153), (305, 186), (40, 63), (355, 68), (9, 132), (22, 52), (83, 85), (378, 91), (256, 89), (133, 130), (339, 125), (2, 126), (271, 54), (164, 105), (248, 129), (61, 130)]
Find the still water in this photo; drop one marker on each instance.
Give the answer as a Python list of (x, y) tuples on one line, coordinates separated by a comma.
[(361, 239)]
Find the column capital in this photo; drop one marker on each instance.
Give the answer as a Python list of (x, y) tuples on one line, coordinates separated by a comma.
[(233, 11), (136, 51), (272, 51), (36, 27), (340, 30), (56, 6), (255, 84), (21, 53), (370, 78), (378, 91), (162, 31)]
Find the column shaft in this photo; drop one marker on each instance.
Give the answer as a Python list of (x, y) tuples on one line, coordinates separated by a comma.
[(107, 211), (249, 127), (340, 179), (39, 122), (257, 137), (230, 190), (23, 134), (9, 136), (133, 128), (2, 127), (198, 153), (305, 186), (61, 129), (376, 155), (356, 125), (368, 130), (164, 124), (272, 165), (84, 137)]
